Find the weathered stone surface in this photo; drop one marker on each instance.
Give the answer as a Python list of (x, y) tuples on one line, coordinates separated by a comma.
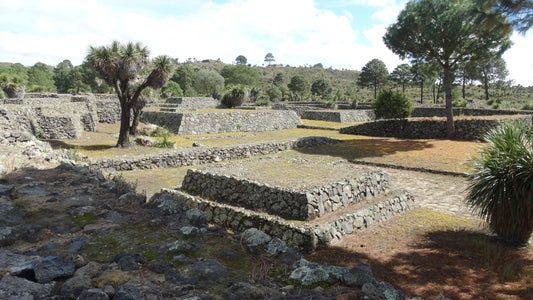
[(12, 287), (208, 270), (196, 217), (48, 268), (166, 203), (203, 155), (358, 276), (292, 203), (127, 292), (223, 121), (342, 116), (255, 236), (93, 294), (77, 244), (470, 129), (74, 286), (132, 198)]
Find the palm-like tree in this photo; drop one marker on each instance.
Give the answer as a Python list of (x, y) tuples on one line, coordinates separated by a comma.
[(119, 65), (501, 187)]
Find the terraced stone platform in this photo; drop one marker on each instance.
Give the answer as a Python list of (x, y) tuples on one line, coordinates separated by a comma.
[(293, 189), (306, 204)]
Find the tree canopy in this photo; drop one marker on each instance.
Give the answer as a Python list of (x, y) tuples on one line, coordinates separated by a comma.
[(240, 74), (209, 82), (185, 76), (447, 32), (298, 84), (373, 74), (40, 76), (321, 87), (241, 60), (519, 12), (269, 58), (402, 75)]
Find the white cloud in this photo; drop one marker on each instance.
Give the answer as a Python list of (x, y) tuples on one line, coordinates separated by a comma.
[(519, 60), (296, 32), (389, 13)]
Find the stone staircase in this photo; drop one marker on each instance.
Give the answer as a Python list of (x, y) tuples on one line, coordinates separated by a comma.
[(304, 217)]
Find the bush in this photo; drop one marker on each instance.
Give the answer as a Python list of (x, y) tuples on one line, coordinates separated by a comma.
[(392, 105), (274, 93), (501, 186), (165, 141), (459, 102), (234, 97), (262, 102), (330, 104), (527, 106)]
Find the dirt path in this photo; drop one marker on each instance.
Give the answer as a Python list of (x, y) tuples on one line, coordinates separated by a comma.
[(439, 193)]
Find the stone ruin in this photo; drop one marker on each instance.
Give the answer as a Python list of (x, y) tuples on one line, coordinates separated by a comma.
[(50, 116), (305, 217), (180, 116)]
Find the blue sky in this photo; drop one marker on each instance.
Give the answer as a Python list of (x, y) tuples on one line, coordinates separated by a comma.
[(341, 34)]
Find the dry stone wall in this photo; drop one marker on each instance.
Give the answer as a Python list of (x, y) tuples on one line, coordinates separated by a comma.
[(50, 116), (299, 204), (223, 121), (342, 116), (465, 128), (301, 235), (108, 111), (423, 112), (192, 103), (205, 155)]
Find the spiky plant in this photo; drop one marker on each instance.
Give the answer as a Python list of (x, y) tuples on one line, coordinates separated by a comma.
[(234, 97), (119, 65), (501, 186)]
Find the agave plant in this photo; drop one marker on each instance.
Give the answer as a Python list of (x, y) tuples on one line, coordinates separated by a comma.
[(501, 186)]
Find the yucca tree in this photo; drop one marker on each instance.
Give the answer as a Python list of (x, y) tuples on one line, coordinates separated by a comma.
[(501, 186), (119, 65)]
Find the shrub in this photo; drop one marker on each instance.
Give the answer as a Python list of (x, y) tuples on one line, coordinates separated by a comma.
[(262, 102), (234, 97), (274, 93), (527, 106), (501, 186), (165, 141), (330, 104), (392, 105), (459, 102)]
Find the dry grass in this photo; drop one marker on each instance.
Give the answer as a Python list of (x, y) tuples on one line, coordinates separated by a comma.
[(433, 255), (424, 253), (327, 124), (450, 155)]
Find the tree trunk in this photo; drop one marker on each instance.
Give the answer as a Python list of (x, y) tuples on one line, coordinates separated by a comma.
[(135, 122), (464, 88), (449, 110), (434, 95), (421, 91), (403, 87), (486, 84), (125, 115)]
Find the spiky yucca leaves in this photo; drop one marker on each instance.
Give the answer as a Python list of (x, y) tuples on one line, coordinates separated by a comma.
[(163, 68), (234, 97), (501, 186), (120, 65)]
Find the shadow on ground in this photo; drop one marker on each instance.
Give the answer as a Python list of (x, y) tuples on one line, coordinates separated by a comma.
[(57, 144), (455, 264), (365, 148)]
